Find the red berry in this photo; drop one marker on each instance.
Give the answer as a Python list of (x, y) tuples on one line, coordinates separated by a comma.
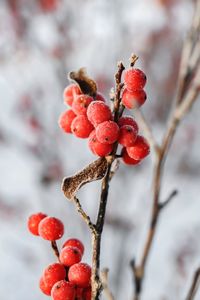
[(133, 99), (140, 149), (34, 221), (80, 274), (70, 255), (53, 273), (98, 112), (63, 290), (75, 243), (87, 294), (134, 79), (107, 132), (127, 135), (44, 288), (100, 97), (81, 103), (51, 229), (128, 120), (98, 148), (70, 93), (81, 126), (127, 159), (66, 119)]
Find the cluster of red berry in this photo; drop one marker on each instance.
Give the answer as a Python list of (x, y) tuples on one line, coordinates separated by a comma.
[(92, 118), (69, 279)]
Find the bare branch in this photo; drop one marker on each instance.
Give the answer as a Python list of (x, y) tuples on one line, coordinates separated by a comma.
[(188, 91), (106, 289), (194, 286), (190, 55), (169, 199), (83, 214), (147, 129), (96, 237)]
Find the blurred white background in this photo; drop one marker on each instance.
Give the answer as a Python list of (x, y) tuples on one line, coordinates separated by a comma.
[(40, 42)]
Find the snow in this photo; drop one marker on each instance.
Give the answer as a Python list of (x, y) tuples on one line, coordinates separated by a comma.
[(35, 155)]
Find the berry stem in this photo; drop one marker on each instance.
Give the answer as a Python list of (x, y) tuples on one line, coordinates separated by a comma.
[(55, 249)]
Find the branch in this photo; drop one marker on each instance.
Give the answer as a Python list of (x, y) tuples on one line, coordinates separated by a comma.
[(190, 55), (104, 280), (169, 199), (147, 129), (188, 90), (83, 214), (194, 286), (96, 237)]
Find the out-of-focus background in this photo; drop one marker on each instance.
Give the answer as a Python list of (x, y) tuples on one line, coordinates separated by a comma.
[(40, 42)]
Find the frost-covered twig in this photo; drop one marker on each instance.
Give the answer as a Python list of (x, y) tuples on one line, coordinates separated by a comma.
[(96, 236), (188, 90), (104, 280), (83, 214), (194, 286), (147, 129)]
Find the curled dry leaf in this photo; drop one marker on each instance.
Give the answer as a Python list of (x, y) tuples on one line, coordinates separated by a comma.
[(94, 171), (87, 85)]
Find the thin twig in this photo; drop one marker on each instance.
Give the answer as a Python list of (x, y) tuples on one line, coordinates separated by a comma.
[(194, 286), (185, 73), (106, 289), (169, 199), (96, 236), (188, 92), (83, 214), (147, 129)]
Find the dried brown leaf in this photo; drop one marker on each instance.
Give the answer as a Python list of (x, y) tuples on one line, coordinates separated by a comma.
[(87, 85), (94, 171)]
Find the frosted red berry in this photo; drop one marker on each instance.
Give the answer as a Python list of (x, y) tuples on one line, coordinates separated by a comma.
[(100, 97), (53, 273), (80, 274), (87, 294), (81, 126), (128, 120), (140, 149), (98, 148), (134, 79), (51, 229), (127, 135), (127, 159), (46, 289), (75, 243), (70, 255), (34, 221), (63, 290), (98, 112), (107, 132), (66, 119), (81, 103), (133, 99), (70, 93)]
